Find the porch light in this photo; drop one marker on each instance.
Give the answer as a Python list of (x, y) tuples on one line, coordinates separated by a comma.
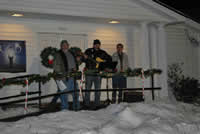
[(17, 15), (114, 22)]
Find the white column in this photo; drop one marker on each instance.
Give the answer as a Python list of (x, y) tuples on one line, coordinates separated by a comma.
[(154, 57), (162, 59), (131, 83), (130, 46), (154, 51), (154, 47), (145, 56), (199, 63), (144, 43)]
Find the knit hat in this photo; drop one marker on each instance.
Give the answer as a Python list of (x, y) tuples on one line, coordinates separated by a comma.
[(96, 42), (64, 41)]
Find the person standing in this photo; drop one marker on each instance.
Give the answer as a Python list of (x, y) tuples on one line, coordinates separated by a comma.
[(63, 64), (119, 81), (90, 56)]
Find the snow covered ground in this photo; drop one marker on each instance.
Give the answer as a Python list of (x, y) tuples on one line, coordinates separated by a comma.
[(160, 117), (10, 112)]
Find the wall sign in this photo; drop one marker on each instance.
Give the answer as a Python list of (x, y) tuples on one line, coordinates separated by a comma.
[(12, 56)]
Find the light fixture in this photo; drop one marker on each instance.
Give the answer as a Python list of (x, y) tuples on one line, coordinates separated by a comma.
[(17, 15), (114, 22)]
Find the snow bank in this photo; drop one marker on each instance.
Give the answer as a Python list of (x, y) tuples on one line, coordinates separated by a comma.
[(137, 118)]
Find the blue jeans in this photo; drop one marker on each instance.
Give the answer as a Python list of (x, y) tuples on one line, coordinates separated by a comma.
[(97, 85), (119, 82), (64, 97)]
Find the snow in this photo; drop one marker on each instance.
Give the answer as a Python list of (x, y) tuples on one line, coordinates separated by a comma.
[(14, 112), (159, 117)]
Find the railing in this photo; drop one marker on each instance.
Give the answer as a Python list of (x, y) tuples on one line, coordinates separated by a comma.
[(19, 95), (39, 97), (23, 78)]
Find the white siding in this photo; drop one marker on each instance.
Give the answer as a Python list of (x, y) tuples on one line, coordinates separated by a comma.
[(180, 50)]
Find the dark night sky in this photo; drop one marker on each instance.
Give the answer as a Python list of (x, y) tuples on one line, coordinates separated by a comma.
[(189, 8)]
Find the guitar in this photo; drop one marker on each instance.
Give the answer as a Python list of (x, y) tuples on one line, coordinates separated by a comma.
[(98, 60)]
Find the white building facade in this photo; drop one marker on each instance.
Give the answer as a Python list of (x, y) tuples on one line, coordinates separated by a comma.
[(154, 36)]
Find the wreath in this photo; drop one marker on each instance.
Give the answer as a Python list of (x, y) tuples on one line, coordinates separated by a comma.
[(75, 51), (48, 54)]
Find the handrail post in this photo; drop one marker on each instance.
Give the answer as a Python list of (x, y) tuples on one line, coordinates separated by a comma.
[(152, 86), (75, 95), (39, 88)]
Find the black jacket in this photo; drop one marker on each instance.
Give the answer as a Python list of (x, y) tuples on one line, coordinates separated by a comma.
[(93, 54)]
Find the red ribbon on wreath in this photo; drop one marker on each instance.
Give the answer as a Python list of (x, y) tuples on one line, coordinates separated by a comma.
[(3, 80), (26, 82), (50, 59)]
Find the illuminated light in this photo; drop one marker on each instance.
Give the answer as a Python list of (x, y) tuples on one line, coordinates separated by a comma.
[(114, 22), (17, 15)]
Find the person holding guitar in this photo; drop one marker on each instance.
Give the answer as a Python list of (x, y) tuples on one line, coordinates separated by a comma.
[(64, 63), (92, 57)]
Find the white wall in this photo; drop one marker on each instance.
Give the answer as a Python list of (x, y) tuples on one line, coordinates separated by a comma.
[(181, 50), (20, 32)]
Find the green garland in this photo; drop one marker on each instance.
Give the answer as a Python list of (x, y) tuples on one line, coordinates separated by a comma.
[(45, 78), (137, 72), (36, 78)]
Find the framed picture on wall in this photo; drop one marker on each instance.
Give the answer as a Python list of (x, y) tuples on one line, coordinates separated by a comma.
[(12, 56)]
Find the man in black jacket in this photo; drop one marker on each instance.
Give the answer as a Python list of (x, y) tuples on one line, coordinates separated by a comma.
[(92, 56)]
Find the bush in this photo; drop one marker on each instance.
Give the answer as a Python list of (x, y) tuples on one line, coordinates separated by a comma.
[(184, 88)]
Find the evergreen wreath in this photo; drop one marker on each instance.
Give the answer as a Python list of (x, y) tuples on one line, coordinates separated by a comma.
[(48, 54), (75, 51), (45, 54)]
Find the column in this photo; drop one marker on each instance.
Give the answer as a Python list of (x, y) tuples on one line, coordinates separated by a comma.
[(145, 56), (130, 46), (130, 37), (154, 55), (198, 65), (162, 59), (144, 43)]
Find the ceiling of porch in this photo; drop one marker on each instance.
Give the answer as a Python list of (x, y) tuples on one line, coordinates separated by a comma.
[(98, 11)]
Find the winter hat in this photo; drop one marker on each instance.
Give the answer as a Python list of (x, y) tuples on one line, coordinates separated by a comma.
[(96, 42), (64, 41)]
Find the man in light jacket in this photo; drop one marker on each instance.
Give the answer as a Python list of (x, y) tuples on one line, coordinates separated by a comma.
[(119, 81)]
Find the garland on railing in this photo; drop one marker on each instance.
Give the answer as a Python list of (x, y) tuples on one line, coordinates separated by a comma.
[(36, 78), (45, 78), (128, 73)]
